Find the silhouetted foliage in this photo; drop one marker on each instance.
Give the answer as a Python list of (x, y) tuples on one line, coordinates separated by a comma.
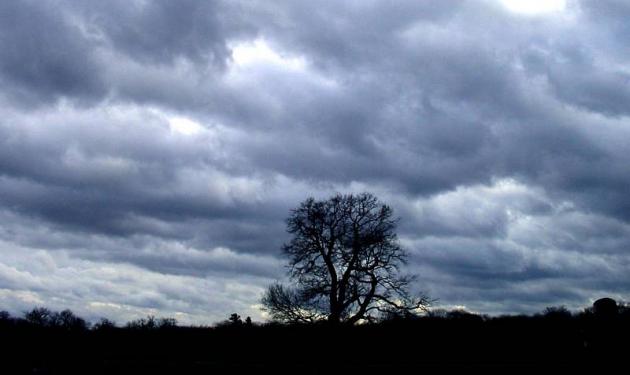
[(605, 307), (68, 320), (39, 316), (143, 323), (151, 322), (557, 312), (167, 323), (6, 319), (345, 260), (438, 339), (104, 324), (235, 319), (461, 315), (4, 316)]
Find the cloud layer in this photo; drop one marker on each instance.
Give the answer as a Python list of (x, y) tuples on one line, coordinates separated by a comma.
[(150, 150)]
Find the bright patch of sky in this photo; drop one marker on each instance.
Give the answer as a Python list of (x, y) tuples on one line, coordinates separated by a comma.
[(534, 7), (260, 52), (184, 125)]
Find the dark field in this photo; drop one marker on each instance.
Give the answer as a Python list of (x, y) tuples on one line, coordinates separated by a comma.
[(555, 340)]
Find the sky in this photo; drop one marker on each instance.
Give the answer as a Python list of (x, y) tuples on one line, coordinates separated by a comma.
[(150, 151)]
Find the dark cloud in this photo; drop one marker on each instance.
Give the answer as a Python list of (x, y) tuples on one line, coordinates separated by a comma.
[(45, 57), (160, 32), (170, 140), (89, 51)]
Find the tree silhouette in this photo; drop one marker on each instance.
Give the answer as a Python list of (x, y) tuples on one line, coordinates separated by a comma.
[(235, 319), (605, 307), (345, 260), (39, 316), (104, 324), (68, 320), (151, 322)]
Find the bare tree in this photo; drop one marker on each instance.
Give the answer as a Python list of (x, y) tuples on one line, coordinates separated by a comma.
[(68, 320), (345, 260), (39, 316)]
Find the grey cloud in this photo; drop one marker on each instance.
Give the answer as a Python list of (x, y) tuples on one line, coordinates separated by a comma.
[(456, 111), (64, 50), (598, 90), (160, 32), (120, 292), (433, 105), (325, 32), (554, 256), (44, 56)]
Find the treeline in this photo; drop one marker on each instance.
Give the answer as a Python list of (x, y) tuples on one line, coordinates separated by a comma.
[(44, 341), (40, 317)]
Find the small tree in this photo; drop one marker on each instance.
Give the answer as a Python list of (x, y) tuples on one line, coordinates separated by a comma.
[(345, 260), (68, 320), (104, 324), (235, 319), (39, 316), (148, 323)]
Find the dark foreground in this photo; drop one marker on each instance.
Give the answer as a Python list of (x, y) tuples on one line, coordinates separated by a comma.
[(456, 340)]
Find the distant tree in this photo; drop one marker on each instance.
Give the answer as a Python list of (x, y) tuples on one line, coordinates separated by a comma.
[(345, 260), (68, 320), (557, 312), (235, 319), (104, 324), (605, 307), (6, 319), (39, 316), (461, 314), (167, 323), (150, 322)]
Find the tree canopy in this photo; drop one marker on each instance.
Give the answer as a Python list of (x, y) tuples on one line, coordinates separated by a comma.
[(345, 262)]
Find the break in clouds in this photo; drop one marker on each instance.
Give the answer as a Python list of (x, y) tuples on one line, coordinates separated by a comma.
[(151, 150)]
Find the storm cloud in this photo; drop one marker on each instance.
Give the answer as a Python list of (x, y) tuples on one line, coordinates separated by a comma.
[(151, 150)]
